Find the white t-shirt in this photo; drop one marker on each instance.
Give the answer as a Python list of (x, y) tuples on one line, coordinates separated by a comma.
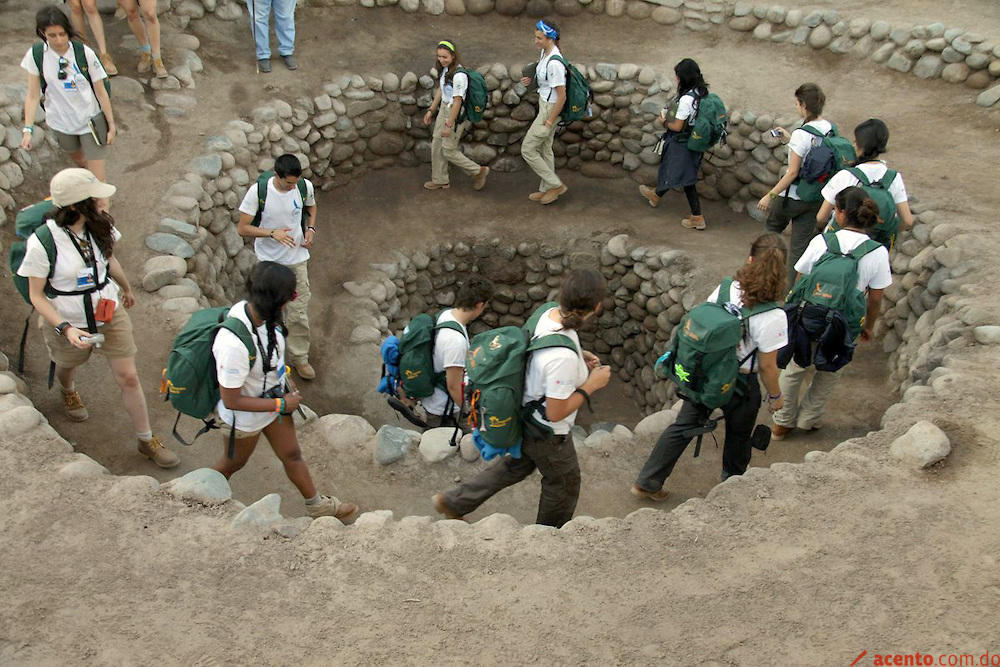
[(450, 350), (686, 108), (70, 103), (71, 273), (874, 271), (766, 332), (458, 86), (233, 369), (282, 209), (801, 142), (550, 74), (844, 179), (554, 372)]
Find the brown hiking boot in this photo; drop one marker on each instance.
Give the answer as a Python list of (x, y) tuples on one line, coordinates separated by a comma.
[(442, 508), (554, 194), (305, 371), (159, 454), (145, 62), (74, 408), (536, 196), (109, 64), (655, 496), (481, 178), (650, 195), (778, 432), (431, 185), (694, 222), (158, 68), (330, 506)]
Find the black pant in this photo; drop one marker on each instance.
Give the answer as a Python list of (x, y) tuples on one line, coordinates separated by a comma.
[(740, 414), (691, 192), (802, 216)]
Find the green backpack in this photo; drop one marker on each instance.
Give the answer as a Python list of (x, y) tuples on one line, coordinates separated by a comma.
[(262, 198), (833, 282), (38, 50), (189, 381), (822, 162), (477, 97), (578, 95), (31, 220), (710, 124), (416, 356), (703, 361), (496, 366), (886, 230)]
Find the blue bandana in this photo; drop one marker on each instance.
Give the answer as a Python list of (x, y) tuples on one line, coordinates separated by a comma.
[(547, 30)]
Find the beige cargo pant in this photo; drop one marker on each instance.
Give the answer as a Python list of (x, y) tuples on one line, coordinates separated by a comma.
[(297, 317), (536, 149), (804, 413), (445, 151)]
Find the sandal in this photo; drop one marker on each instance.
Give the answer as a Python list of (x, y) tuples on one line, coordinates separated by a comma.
[(407, 412)]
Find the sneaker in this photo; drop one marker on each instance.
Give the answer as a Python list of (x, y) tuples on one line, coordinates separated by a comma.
[(438, 500), (778, 432), (305, 371), (643, 494), (536, 196), (694, 222), (407, 412), (650, 195), (159, 69), (159, 454), (480, 181), (290, 62), (553, 194), (812, 427), (330, 506), (431, 185), (75, 409), (264, 65), (145, 62), (109, 64)]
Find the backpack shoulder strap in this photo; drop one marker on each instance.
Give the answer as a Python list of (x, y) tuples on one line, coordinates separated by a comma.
[(832, 243), (559, 59), (262, 182), (236, 326), (812, 130), (887, 178), (454, 326), (867, 246), (725, 291), (552, 340), (304, 189), (44, 235), (37, 52), (860, 175), (761, 308), (80, 54)]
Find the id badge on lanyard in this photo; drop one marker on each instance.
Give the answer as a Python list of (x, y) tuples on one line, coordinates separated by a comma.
[(85, 278)]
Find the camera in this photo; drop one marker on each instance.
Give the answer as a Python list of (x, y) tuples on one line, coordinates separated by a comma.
[(94, 339), (776, 132), (277, 391), (761, 437)]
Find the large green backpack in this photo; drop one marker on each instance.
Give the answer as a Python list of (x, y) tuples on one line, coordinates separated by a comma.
[(703, 361), (498, 360), (822, 162), (477, 97), (710, 124), (190, 382), (38, 50), (888, 225), (31, 220), (262, 181), (578, 95), (416, 356), (833, 282)]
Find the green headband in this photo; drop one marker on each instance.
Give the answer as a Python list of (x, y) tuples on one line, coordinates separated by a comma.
[(446, 44)]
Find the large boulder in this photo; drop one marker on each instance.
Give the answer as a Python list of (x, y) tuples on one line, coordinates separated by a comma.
[(655, 424), (346, 432), (204, 485), (435, 444), (923, 445), (393, 443)]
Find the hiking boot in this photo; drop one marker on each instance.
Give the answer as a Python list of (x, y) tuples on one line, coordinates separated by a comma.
[(75, 409), (330, 506), (159, 454), (694, 222), (778, 432), (554, 194), (108, 64), (643, 494), (481, 178), (438, 500), (536, 196), (264, 65), (650, 195), (145, 62), (811, 427), (431, 185), (159, 69), (290, 62), (305, 370), (407, 411)]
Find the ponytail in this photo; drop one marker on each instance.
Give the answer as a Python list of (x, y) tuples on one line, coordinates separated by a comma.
[(858, 208), (581, 293), (812, 98), (269, 287), (871, 138), (762, 280)]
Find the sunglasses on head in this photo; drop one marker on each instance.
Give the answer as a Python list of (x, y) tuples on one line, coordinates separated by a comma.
[(63, 64)]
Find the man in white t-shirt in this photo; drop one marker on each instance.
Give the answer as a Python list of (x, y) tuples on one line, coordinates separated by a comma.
[(284, 234), (451, 347)]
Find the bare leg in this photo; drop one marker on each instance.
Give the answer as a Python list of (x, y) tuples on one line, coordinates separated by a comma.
[(96, 167), (281, 434), (132, 396), (243, 449), (152, 25), (96, 24), (65, 376), (76, 18), (80, 161), (135, 23)]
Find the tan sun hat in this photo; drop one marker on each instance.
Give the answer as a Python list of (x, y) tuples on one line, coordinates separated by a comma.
[(71, 186)]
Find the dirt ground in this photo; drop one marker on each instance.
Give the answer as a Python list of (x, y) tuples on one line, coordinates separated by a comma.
[(803, 572)]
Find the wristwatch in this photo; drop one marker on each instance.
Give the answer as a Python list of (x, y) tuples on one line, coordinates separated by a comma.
[(61, 328)]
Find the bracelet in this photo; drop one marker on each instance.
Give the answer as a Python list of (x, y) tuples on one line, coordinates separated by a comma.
[(772, 399), (772, 194), (30, 129), (271, 234), (282, 410), (277, 405), (311, 229)]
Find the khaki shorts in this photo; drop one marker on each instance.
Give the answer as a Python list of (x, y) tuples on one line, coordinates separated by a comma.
[(92, 150), (225, 429), (118, 342)]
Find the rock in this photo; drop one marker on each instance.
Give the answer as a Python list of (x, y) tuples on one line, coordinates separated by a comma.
[(820, 37), (346, 433), (373, 520), (667, 16), (924, 445), (479, 7), (617, 246), (7, 385), (899, 62), (365, 334), (602, 426), (435, 444), (83, 466), (433, 7), (454, 7), (19, 421), (987, 335), (928, 67), (600, 440), (467, 449), (128, 89), (304, 415), (209, 166), (204, 485), (178, 228), (989, 97), (259, 516), (655, 424), (955, 72), (393, 443), (134, 486), (622, 433), (387, 143)]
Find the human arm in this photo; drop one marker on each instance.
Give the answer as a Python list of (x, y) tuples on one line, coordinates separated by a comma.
[(453, 377), (48, 312), (794, 164), (767, 366), (117, 274), (591, 360), (31, 99), (235, 400), (247, 230), (874, 306), (557, 409), (101, 93), (905, 216), (823, 216), (429, 116), (310, 208), (456, 108), (557, 107)]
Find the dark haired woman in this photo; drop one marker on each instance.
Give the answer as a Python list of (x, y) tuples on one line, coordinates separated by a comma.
[(761, 280), (80, 297), (679, 165), (563, 380), (78, 113), (870, 140), (809, 103), (255, 398), (453, 86), (536, 147), (855, 213)]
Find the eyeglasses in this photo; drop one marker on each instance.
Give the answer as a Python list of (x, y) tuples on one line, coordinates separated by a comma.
[(63, 64)]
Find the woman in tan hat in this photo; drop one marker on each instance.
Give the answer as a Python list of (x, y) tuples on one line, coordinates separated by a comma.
[(80, 298)]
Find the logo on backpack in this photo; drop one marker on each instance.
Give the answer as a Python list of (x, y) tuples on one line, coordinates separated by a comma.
[(711, 120)]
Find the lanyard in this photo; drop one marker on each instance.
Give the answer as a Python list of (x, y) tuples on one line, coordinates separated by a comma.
[(91, 261)]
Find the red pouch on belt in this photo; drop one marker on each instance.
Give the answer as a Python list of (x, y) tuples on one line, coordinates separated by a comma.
[(105, 310)]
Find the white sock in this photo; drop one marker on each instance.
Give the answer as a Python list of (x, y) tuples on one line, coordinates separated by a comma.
[(145, 436), (315, 499), (69, 389)]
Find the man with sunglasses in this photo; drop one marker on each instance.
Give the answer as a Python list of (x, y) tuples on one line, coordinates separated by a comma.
[(279, 213)]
